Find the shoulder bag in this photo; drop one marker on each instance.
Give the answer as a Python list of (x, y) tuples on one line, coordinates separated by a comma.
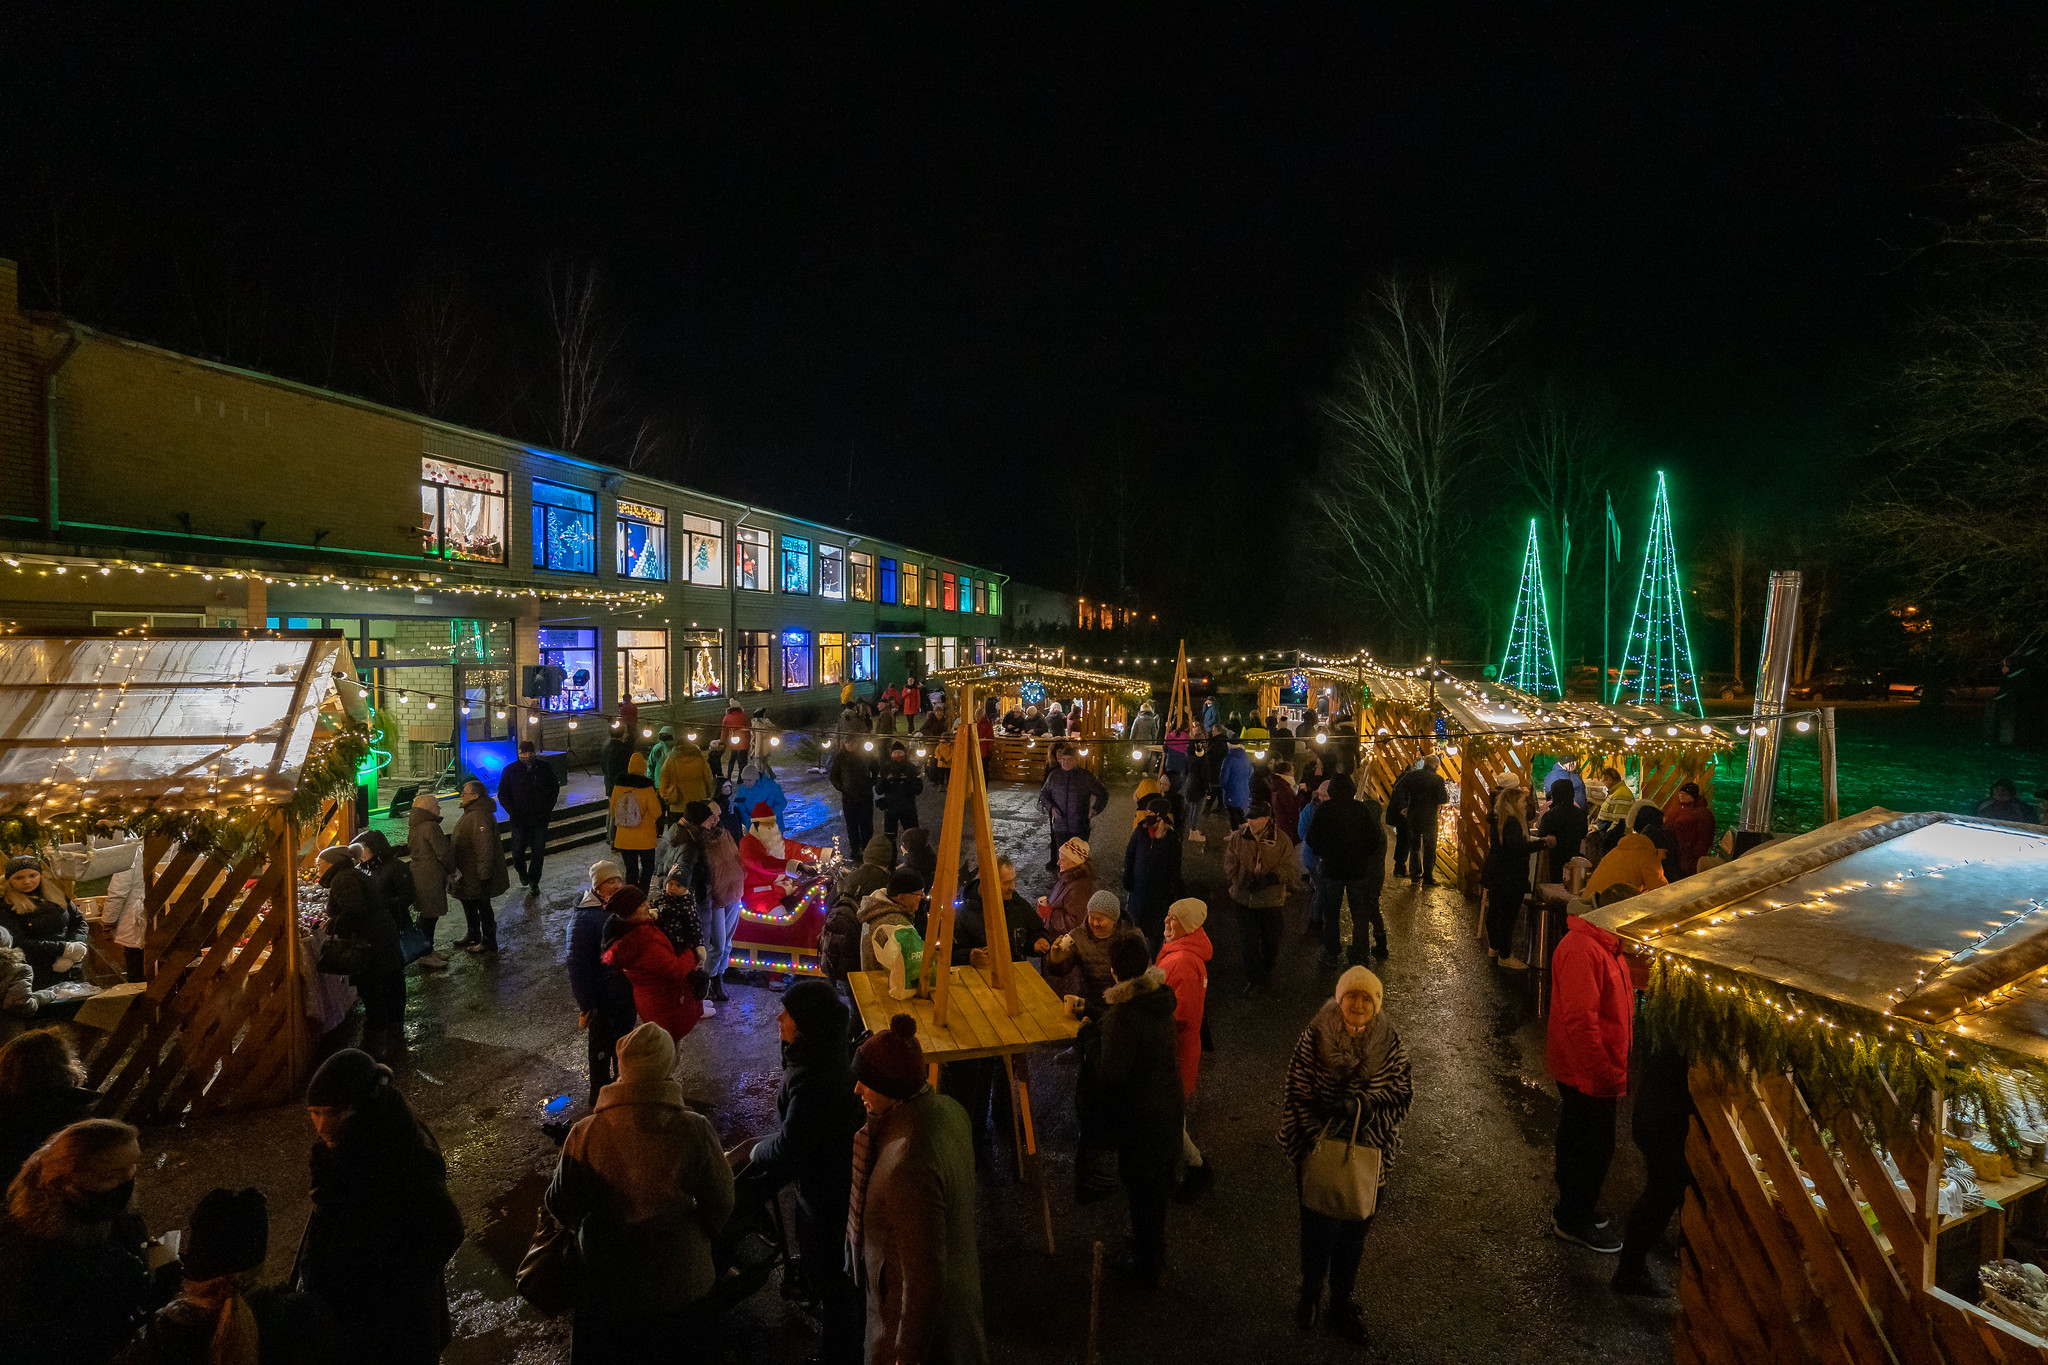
[(548, 1273), (1341, 1179)]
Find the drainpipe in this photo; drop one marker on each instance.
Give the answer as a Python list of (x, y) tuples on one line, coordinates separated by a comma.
[(50, 508), (1773, 682)]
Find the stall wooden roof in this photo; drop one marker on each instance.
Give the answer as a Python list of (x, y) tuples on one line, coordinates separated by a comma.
[(1058, 679), (1931, 917), (177, 723)]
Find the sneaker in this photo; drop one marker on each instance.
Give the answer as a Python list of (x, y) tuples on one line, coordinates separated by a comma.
[(1513, 964), (434, 961), (1587, 1235), (465, 943), (1347, 1320), (710, 1009), (1639, 1281), (1196, 1182)]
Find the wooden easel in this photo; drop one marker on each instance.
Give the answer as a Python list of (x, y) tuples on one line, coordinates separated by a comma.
[(1178, 710), (966, 797)]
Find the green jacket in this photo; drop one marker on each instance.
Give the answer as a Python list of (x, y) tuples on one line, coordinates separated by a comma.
[(918, 1256)]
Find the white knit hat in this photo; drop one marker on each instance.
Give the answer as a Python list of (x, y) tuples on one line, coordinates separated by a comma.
[(604, 869), (1359, 979), (1191, 911)]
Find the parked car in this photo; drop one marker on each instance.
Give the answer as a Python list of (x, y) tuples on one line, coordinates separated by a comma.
[(1842, 685)]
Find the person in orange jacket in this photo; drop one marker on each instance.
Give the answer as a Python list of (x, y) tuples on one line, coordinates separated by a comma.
[(1592, 1023), (1184, 957)]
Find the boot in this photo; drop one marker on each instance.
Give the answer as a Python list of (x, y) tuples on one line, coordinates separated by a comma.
[(1308, 1307), (1348, 1321)]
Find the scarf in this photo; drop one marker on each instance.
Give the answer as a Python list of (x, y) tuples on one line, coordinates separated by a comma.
[(1353, 1055), (856, 1207)]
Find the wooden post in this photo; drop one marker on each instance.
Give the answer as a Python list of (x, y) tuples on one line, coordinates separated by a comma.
[(1178, 709), (1830, 802), (966, 788), (1094, 1302), (282, 849)]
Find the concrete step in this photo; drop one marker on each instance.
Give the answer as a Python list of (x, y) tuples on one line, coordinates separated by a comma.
[(570, 827)]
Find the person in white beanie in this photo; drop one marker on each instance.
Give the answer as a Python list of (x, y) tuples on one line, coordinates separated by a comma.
[(1184, 958), (1348, 1067)]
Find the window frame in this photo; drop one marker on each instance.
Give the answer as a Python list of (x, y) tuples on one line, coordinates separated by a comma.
[(439, 488), (594, 649), (626, 512), (543, 547), (888, 581), (832, 647), (795, 645), (785, 556), (753, 642), (831, 554), (931, 588), (860, 575), (694, 644), (622, 653), (981, 597), (909, 579), (694, 533), (757, 537), (995, 598), (860, 649)]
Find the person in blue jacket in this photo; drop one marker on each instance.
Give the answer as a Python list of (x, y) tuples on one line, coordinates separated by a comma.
[(604, 999), (1234, 782), (1567, 770), (756, 785)]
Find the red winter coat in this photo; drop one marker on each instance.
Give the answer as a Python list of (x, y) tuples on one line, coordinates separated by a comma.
[(737, 729), (1693, 827), (658, 973), (1286, 804), (1185, 961), (1592, 1012)]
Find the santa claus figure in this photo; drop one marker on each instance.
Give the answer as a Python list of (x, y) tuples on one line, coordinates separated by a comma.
[(772, 865)]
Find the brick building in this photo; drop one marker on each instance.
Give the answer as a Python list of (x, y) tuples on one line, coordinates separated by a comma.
[(142, 488)]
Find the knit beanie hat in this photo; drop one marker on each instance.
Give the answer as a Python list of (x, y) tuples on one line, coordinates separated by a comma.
[(816, 1007), (891, 1062), (1359, 979), (647, 1054), (697, 812), (904, 881), (427, 802), (347, 1080), (603, 870), (1190, 911), (230, 1234), (24, 862), (1105, 903), (1129, 957), (626, 901), (1076, 848)]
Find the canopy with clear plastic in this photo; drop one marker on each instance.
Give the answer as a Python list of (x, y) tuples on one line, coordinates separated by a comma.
[(178, 723)]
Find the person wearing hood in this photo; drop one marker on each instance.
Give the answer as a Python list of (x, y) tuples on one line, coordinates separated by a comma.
[(636, 818), (911, 1211), (390, 878), (433, 866), (658, 755), (42, 1091), (1691, 822), (354, 913), (852, 775), (383, 1227), (45, 926), (1064, 909), (877, 861), (1129, 1097), (77, 1271), (1563, 824), (897, 786), (1591, 1027), (1145, 731), (645, 1189), (528, 789), (1071, 797), (2004, 803), (1185, 962), (839, 940), (1348, 1072), (918, 854), (1635, 863), (663, 991), (758, 786), (1086, 952), (892, 907), (707, 861), (1152, 874), (604, 998), (480, 871), (817, 1115), (685, 776), (223, 1313)]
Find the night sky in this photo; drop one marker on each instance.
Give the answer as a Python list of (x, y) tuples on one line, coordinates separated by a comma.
[(978, 259)]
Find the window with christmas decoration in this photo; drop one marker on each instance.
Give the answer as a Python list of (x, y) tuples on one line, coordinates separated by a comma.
[(704, 662), (749, 548), (863, 569), (861, 647), (832, 573), (462, 511), (757, 648), (703, 547), (796, 566), (574, 652), (643, 541), (796, 660), (831, 658), (564, 528), (643, 665)]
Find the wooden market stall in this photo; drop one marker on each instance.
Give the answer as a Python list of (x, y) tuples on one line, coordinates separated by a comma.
[(1096, 718), (1865, 1010), (1484, 734), (223, 751)]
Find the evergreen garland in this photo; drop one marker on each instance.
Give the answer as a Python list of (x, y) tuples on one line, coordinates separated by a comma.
[(1840, 1054)]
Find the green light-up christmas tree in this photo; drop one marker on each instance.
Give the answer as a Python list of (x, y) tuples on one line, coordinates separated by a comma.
[(1659, 650), (1531, 660)]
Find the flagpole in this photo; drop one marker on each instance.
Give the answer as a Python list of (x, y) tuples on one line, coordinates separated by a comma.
[(1607, 598)]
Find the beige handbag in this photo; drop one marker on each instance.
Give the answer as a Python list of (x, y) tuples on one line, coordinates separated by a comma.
[(1341, 1179)]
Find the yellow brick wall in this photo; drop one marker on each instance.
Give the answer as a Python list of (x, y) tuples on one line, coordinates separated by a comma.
[(20, 406)]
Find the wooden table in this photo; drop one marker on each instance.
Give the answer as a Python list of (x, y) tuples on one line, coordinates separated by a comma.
[(977, 1026)]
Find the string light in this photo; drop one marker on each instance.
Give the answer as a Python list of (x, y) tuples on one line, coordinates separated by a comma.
[(1531, 660)]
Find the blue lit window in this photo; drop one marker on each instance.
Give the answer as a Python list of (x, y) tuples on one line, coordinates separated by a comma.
[(796, 660), (643, 542), (796, 566), (863, 649), (889, 581), (564, 528)]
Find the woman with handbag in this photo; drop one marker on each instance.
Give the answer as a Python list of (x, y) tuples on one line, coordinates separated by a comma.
[(1347, 1091)]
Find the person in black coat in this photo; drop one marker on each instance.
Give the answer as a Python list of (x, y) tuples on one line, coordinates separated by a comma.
[(1349, 840), (42, 1091), (818, 1115), (1130, 1098), (897, 786), (1564, 825), (390, 876), (1505, 875), (852, 775), (1661, 1110), (970, 922), (383, 1227), (353, 911), (1152, 876), (527, 790), (45, 926)]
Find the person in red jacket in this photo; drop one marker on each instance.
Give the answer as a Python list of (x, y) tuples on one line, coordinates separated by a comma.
[(1185, 959), (738, 733), (663, 990), (1592, 1019), (1691, 822)]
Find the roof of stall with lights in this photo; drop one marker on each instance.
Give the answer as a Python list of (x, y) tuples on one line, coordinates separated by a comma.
[(1076, 682), (177, 723), (1927, 916)]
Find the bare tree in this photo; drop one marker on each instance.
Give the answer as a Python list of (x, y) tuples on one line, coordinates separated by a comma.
[(440, 351), (1728, 581), (582, 399), (1409, 418), (1563, 452)]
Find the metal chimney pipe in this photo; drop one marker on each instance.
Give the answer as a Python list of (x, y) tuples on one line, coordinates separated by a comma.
[(1773, 682)]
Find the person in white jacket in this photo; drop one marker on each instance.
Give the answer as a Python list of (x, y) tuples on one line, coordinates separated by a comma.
[(126, 907)]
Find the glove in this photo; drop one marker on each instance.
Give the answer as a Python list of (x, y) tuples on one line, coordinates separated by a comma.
[(73, 954), (699, 981)]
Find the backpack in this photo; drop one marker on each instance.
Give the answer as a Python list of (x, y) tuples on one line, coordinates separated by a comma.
[(629, 813)]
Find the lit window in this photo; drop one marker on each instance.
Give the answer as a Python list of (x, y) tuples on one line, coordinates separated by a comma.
[(749, 548), (643, 665), (931, 589), (863, 648), (756, 649), (966, 593), (949, 652), (910, 574), (568, 662), (981, 596), (796, 566), (703, 663), (704, 551), (796, 660), (832, 572), (995, 599), (863, 576), (931, 654), (831, 658), (462, 512), (564, 528), (889, 581), (643, 541)]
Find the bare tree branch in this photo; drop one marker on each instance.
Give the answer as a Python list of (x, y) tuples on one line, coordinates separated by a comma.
[(585, 393)]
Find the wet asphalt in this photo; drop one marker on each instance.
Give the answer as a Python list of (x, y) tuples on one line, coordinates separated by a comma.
[(1459, 1264)]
